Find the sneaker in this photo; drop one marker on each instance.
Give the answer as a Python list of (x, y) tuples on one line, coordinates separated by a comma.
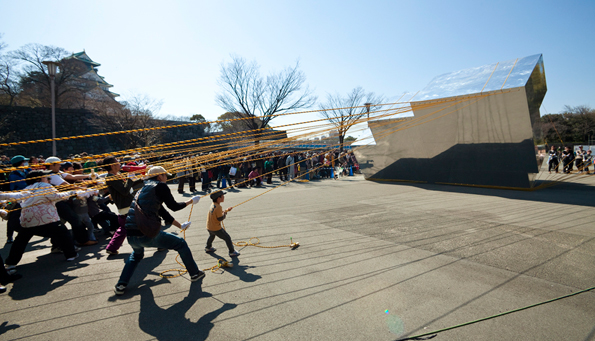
[(119, 289), (76, 248), (2, 289), (198, 276), (57, 250), (11, 269), (210, 249), (234, 254), (110, 252), (72, 258), (9, 241)]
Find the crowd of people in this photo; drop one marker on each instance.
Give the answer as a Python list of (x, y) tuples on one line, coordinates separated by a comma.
[(253, 169), (580, 159), (39, 196)]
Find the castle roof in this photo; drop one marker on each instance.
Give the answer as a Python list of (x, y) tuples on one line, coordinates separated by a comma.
[(83, 57)]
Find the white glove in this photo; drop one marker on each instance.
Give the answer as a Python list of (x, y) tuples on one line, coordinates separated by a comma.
[(14, 195), (195, 199), (85, 194), (185, 225)]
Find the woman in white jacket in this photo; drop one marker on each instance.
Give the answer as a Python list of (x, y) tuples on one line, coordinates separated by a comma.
[(39, 217)]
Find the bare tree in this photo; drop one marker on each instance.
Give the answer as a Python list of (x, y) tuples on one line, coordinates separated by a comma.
[(138, 112), (34, 78), (246, 93), (9, 85), (344, 112)]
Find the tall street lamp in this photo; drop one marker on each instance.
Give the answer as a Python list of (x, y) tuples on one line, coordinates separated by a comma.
[(52, 68), (368, 109)]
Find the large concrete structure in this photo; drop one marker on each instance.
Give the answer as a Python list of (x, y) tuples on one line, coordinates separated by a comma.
[(471, 127)]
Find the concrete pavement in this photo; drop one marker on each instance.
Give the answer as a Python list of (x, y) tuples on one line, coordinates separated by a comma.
[(377, 261)]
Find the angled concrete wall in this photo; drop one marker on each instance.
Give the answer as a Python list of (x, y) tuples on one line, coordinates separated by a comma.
[(476, 139)]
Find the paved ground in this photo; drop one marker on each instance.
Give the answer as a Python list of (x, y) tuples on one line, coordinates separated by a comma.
[(376, 261)]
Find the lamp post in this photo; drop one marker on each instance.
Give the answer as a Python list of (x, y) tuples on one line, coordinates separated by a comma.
[(368, 109), (52, 68)]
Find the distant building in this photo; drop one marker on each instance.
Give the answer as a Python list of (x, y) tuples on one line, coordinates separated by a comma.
[(87, 79)]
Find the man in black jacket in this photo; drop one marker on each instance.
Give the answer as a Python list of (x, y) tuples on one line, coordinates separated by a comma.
[(151, 198)]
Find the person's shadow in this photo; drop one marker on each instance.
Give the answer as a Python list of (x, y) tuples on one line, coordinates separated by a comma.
[(238, 270), (4, 327), (171, 323), (48, 273)]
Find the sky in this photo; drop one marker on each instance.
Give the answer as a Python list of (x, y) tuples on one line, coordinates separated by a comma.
[(173, 50)]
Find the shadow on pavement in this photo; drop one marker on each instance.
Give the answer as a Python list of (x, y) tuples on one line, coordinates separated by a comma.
[(171, 323), (48, 273), (4, 327), (561, 193), (238, 270)]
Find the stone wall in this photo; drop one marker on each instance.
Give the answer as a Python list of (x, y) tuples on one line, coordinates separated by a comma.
[(25, 124)]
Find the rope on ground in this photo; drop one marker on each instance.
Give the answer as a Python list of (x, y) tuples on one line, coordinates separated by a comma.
[(221, 263), (422, 336)]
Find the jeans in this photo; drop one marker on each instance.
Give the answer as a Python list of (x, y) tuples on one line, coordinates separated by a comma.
[(162, 240), (221, 234), (221, 176), (66, 212), (84, 217)]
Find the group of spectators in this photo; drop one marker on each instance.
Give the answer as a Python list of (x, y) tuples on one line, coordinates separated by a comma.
[(580, 159), (253, 169)]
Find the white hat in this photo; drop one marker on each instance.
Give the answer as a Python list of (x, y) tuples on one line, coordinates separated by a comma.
[(156, 170), (52, 159)]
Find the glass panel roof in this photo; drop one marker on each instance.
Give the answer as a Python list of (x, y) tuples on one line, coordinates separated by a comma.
[(480, 79)]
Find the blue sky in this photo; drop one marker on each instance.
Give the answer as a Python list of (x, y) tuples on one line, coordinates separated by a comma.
[(173, 50)]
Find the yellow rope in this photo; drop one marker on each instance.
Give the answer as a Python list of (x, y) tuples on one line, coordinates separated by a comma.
[(175, 126)]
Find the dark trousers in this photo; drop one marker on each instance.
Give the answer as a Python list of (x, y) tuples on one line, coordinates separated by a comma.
[(14, 221), (223, 235), (579, 164), (270, 178), (191, 183), (4, 277), (205, 181), (553, 165), (567, 166), (283, 174), (79, 230), (56, 231), (102, 217)]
